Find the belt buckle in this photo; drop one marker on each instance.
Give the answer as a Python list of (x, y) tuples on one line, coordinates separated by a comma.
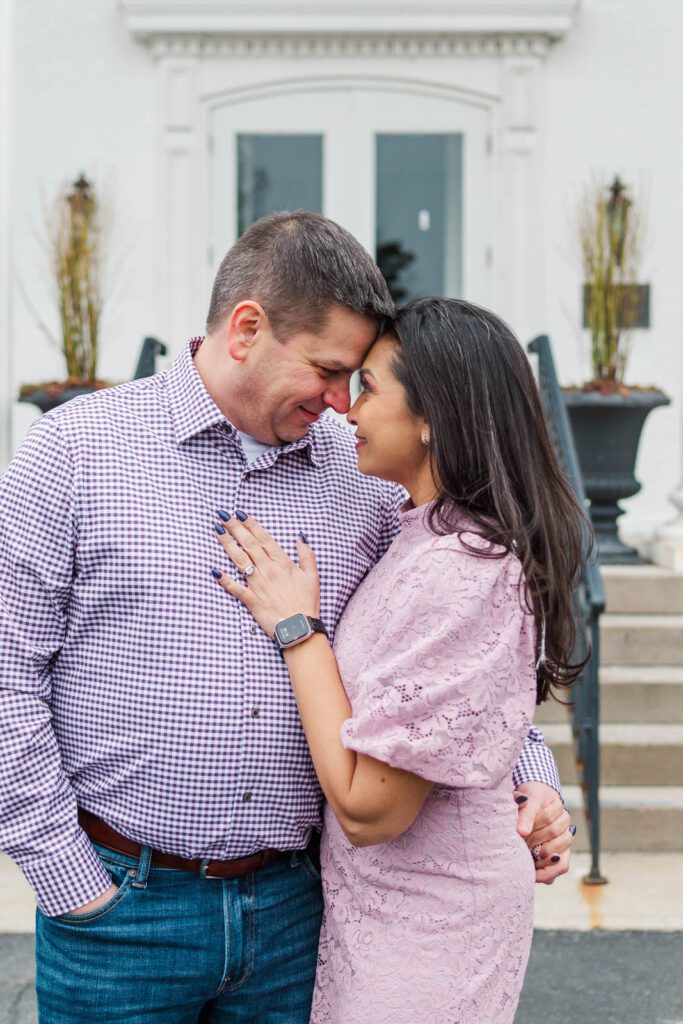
[(204, 869)]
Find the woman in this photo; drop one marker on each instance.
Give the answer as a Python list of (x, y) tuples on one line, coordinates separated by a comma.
[(416, 720)]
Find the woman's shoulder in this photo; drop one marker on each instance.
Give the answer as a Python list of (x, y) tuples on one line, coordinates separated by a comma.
[(467, 538), (464, 557)]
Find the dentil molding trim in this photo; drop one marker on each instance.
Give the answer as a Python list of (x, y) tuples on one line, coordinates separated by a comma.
[(422, 27), (348, 46)]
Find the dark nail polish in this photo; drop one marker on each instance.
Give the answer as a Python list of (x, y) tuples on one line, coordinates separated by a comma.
[(554, 859), (572, 830), (219, 528), (304, 537), (242, 516), (216, 574), (224, 515), (521, 799)]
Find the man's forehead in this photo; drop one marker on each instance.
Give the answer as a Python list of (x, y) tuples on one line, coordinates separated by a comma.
[(340, 357), (342, 366)]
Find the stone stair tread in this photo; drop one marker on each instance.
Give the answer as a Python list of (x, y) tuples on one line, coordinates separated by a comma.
[(629, 796), (627, 733), (645, 674), (645, 589), (641, 620), (639, 572), (646, 639), (633, 818), (641, 733)]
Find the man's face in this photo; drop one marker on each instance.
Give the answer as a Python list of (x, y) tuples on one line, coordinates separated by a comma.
[(291, 384)]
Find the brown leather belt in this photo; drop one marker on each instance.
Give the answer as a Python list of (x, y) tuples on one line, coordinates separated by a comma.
[(105, 835)]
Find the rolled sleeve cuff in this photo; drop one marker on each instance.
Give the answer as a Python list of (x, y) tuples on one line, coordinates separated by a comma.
[(71, 878), (536, 763)]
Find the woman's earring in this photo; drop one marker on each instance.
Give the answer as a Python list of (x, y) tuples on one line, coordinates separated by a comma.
[(425, 438)]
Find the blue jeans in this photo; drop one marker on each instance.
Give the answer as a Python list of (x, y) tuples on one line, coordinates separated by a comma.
[(176, 948)]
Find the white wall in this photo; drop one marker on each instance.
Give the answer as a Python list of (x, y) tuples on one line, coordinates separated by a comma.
[(614, 105), (84, 101), (86, 98), (6, 84)]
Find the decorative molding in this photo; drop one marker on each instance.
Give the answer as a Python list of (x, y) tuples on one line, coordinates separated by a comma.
[(334, 80), (513, 36), (352, 28), (179, 95), (520, 95), (268, 46)]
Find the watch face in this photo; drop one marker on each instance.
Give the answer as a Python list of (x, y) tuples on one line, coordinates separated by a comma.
[(292, 629)]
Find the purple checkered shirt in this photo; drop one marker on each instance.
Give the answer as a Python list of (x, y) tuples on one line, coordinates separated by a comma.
[(131, 684)]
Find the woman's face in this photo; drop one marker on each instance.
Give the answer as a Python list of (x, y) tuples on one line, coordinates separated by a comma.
[(388, 436)]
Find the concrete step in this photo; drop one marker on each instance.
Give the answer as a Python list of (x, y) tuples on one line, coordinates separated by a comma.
[(641, 693), (641, 640), (643, 589), (630, 755), (634, 819)]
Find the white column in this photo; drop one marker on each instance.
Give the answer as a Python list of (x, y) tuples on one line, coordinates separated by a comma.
[(6, 380), (521, 270), (181, 250)]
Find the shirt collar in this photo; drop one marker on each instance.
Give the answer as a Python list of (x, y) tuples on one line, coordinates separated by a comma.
[(192, 407), (194, 410)]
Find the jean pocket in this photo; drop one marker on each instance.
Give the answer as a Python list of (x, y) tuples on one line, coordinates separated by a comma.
[(125, 886), (311, 866)]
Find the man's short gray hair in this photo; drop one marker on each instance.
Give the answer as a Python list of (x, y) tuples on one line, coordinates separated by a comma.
[(297, 266)]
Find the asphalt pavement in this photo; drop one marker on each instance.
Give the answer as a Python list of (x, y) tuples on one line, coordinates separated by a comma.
[(597, 977), (604, 977)]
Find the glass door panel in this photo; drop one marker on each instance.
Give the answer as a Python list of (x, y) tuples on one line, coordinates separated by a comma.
[(429, 220), (278, 172), (282, 151), (418, 229), (407, 171)]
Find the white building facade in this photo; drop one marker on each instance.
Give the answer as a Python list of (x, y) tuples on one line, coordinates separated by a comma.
[(451, 136)]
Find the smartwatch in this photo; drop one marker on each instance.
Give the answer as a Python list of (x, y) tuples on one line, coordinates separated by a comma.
[(295, 630)]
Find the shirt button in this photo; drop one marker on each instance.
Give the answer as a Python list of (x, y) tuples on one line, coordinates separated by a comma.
[(255, 712), (246, 798), (254, 630)]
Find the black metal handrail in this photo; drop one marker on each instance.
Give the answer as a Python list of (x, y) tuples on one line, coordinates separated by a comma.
[(589, 603), (147, 360)]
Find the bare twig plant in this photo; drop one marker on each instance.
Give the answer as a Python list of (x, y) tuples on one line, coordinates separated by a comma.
[(611, 232), (75, 234)]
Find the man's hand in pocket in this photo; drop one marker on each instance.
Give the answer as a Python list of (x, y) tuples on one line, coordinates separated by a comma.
[(97, 903)]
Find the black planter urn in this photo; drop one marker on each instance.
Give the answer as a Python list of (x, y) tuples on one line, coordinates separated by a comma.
[(607, 429), (47, 399)]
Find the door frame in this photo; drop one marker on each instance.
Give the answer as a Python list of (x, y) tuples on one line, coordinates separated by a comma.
[(198, 74), (352, 187)]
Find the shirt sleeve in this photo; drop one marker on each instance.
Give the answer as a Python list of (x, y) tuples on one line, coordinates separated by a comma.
[(449, 692), (38, 813), (390, 525), (536, 763)]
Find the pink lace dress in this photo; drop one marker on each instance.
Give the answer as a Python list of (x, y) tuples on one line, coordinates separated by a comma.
[(437, 657)]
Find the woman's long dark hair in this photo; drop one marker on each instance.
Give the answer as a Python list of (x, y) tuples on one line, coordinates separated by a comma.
[(466, 374)]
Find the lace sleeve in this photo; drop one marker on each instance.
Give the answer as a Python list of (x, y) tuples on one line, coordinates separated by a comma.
[(449, 692)]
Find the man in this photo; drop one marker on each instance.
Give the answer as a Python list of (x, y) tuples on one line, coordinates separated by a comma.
[(156, 786)]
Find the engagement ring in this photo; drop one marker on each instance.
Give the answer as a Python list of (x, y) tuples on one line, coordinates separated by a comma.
[(249, 571)]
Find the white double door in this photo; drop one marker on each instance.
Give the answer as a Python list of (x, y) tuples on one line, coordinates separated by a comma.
[(408, 172)]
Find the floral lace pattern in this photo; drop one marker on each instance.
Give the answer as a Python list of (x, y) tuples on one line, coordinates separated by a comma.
[(437, 655)]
